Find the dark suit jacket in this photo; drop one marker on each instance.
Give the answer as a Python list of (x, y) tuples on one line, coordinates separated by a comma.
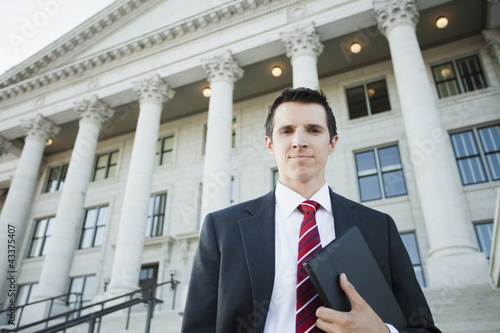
[(233, 271)]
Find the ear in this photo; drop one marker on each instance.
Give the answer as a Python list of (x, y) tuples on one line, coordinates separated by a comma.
[(333, 144), (269, 145)]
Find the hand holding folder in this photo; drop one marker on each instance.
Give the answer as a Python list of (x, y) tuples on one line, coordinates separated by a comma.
[(350, 254)]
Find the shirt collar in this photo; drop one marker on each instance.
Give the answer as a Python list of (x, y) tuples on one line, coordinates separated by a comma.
[(287, 200)]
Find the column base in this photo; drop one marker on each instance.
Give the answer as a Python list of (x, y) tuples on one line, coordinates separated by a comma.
[(458, 270)]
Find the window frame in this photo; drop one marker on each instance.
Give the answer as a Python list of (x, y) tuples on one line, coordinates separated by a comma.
[(162, 152), (482, 155), (83, 302), (380, 173), (153, 232), (418, 267), (44, 238), (487, 252), (61, 178), (107, 167), (367, 99), (95, 227), (457, 75)]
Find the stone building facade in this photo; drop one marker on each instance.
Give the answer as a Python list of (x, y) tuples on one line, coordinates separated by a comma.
[(138, 155)]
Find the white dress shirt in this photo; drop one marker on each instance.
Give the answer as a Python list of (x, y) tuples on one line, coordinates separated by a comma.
[(281, 315)]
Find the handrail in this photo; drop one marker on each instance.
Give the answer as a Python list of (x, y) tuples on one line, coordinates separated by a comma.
[(67, 314), (93, 316), (20, 309), (41, 301)]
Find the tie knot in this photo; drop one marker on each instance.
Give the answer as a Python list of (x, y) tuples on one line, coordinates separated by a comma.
[(308, 206)]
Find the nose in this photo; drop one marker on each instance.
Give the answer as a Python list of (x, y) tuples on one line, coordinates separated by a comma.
[(299, 140)]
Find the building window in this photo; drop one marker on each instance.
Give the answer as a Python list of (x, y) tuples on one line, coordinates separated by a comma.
[(156, 215), (233, 133), (231, 191), (204, 143), (233, 136), (93, 227), (410, 242), (164, 150), (105, 166), (275, 176), (484, 233), (380, 168), (57, 176), (83, 285), (459, 76), (41, 235), (25, 293), (474, 149), (148, 280), (199, 204), (367, 99)]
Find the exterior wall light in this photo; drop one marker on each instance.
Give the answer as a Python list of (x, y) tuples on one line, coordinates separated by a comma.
[(207, 92), (355, 47), (276, 71), (442, 22)]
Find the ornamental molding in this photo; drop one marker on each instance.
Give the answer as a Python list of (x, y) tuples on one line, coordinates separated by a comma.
[(153, 89), (305, 39), (94, 109), (39, 128), (221, 17), (392, 12), (77, 38), (492, 38), (222, 67)]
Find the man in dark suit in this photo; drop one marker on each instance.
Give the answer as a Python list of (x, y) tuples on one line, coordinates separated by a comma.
[(245, 274)]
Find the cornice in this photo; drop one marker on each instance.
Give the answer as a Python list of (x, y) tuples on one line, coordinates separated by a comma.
[(221, 17), (78, 37)]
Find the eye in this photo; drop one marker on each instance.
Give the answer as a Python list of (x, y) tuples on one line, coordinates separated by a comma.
[(286, 131), (315, 130)]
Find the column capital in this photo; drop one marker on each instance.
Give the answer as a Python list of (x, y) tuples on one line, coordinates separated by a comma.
[(222, 67), (39, 127), (305, 39), (393, 12), (153, 89), (94, 109), (492, 38)]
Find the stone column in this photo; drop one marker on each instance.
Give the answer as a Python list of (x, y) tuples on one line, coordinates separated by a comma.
[(222, 72), (134, 214), (453, 256), (68, 222), (17, 205), (303, 48)]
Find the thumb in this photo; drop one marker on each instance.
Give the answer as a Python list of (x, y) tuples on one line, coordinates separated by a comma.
[(350, 291)]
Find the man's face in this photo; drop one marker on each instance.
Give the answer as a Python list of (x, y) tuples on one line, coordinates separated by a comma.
[(301, 143)]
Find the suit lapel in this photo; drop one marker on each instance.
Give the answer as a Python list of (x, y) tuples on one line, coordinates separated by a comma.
[(258, 235), (343, 214)]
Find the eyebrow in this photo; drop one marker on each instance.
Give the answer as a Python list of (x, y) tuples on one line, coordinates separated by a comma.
[(306, 126)]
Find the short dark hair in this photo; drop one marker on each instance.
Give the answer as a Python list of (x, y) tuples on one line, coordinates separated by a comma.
[(306, 96)]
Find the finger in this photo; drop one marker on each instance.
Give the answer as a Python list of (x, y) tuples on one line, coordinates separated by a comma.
[(350, 291)]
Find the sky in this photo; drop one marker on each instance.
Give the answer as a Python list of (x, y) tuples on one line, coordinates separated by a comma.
[(27, 26)]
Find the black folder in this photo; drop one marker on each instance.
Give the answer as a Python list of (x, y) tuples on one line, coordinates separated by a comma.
[(350, 254)]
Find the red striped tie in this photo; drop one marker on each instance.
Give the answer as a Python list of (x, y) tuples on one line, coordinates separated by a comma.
[(309, 243)]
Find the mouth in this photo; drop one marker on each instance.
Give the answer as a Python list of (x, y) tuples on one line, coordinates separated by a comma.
[(300, 157)]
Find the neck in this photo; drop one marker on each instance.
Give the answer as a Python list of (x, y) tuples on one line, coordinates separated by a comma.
[(305, 189)]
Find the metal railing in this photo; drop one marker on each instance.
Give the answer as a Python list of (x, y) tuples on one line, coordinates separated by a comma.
[(74, 317), (20, 309)]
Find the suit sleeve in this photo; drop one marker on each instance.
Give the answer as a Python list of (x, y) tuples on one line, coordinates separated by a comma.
[(406, 287), (200, 313)]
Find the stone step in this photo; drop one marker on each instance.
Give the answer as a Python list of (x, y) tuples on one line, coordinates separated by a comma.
[(465, 309)]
